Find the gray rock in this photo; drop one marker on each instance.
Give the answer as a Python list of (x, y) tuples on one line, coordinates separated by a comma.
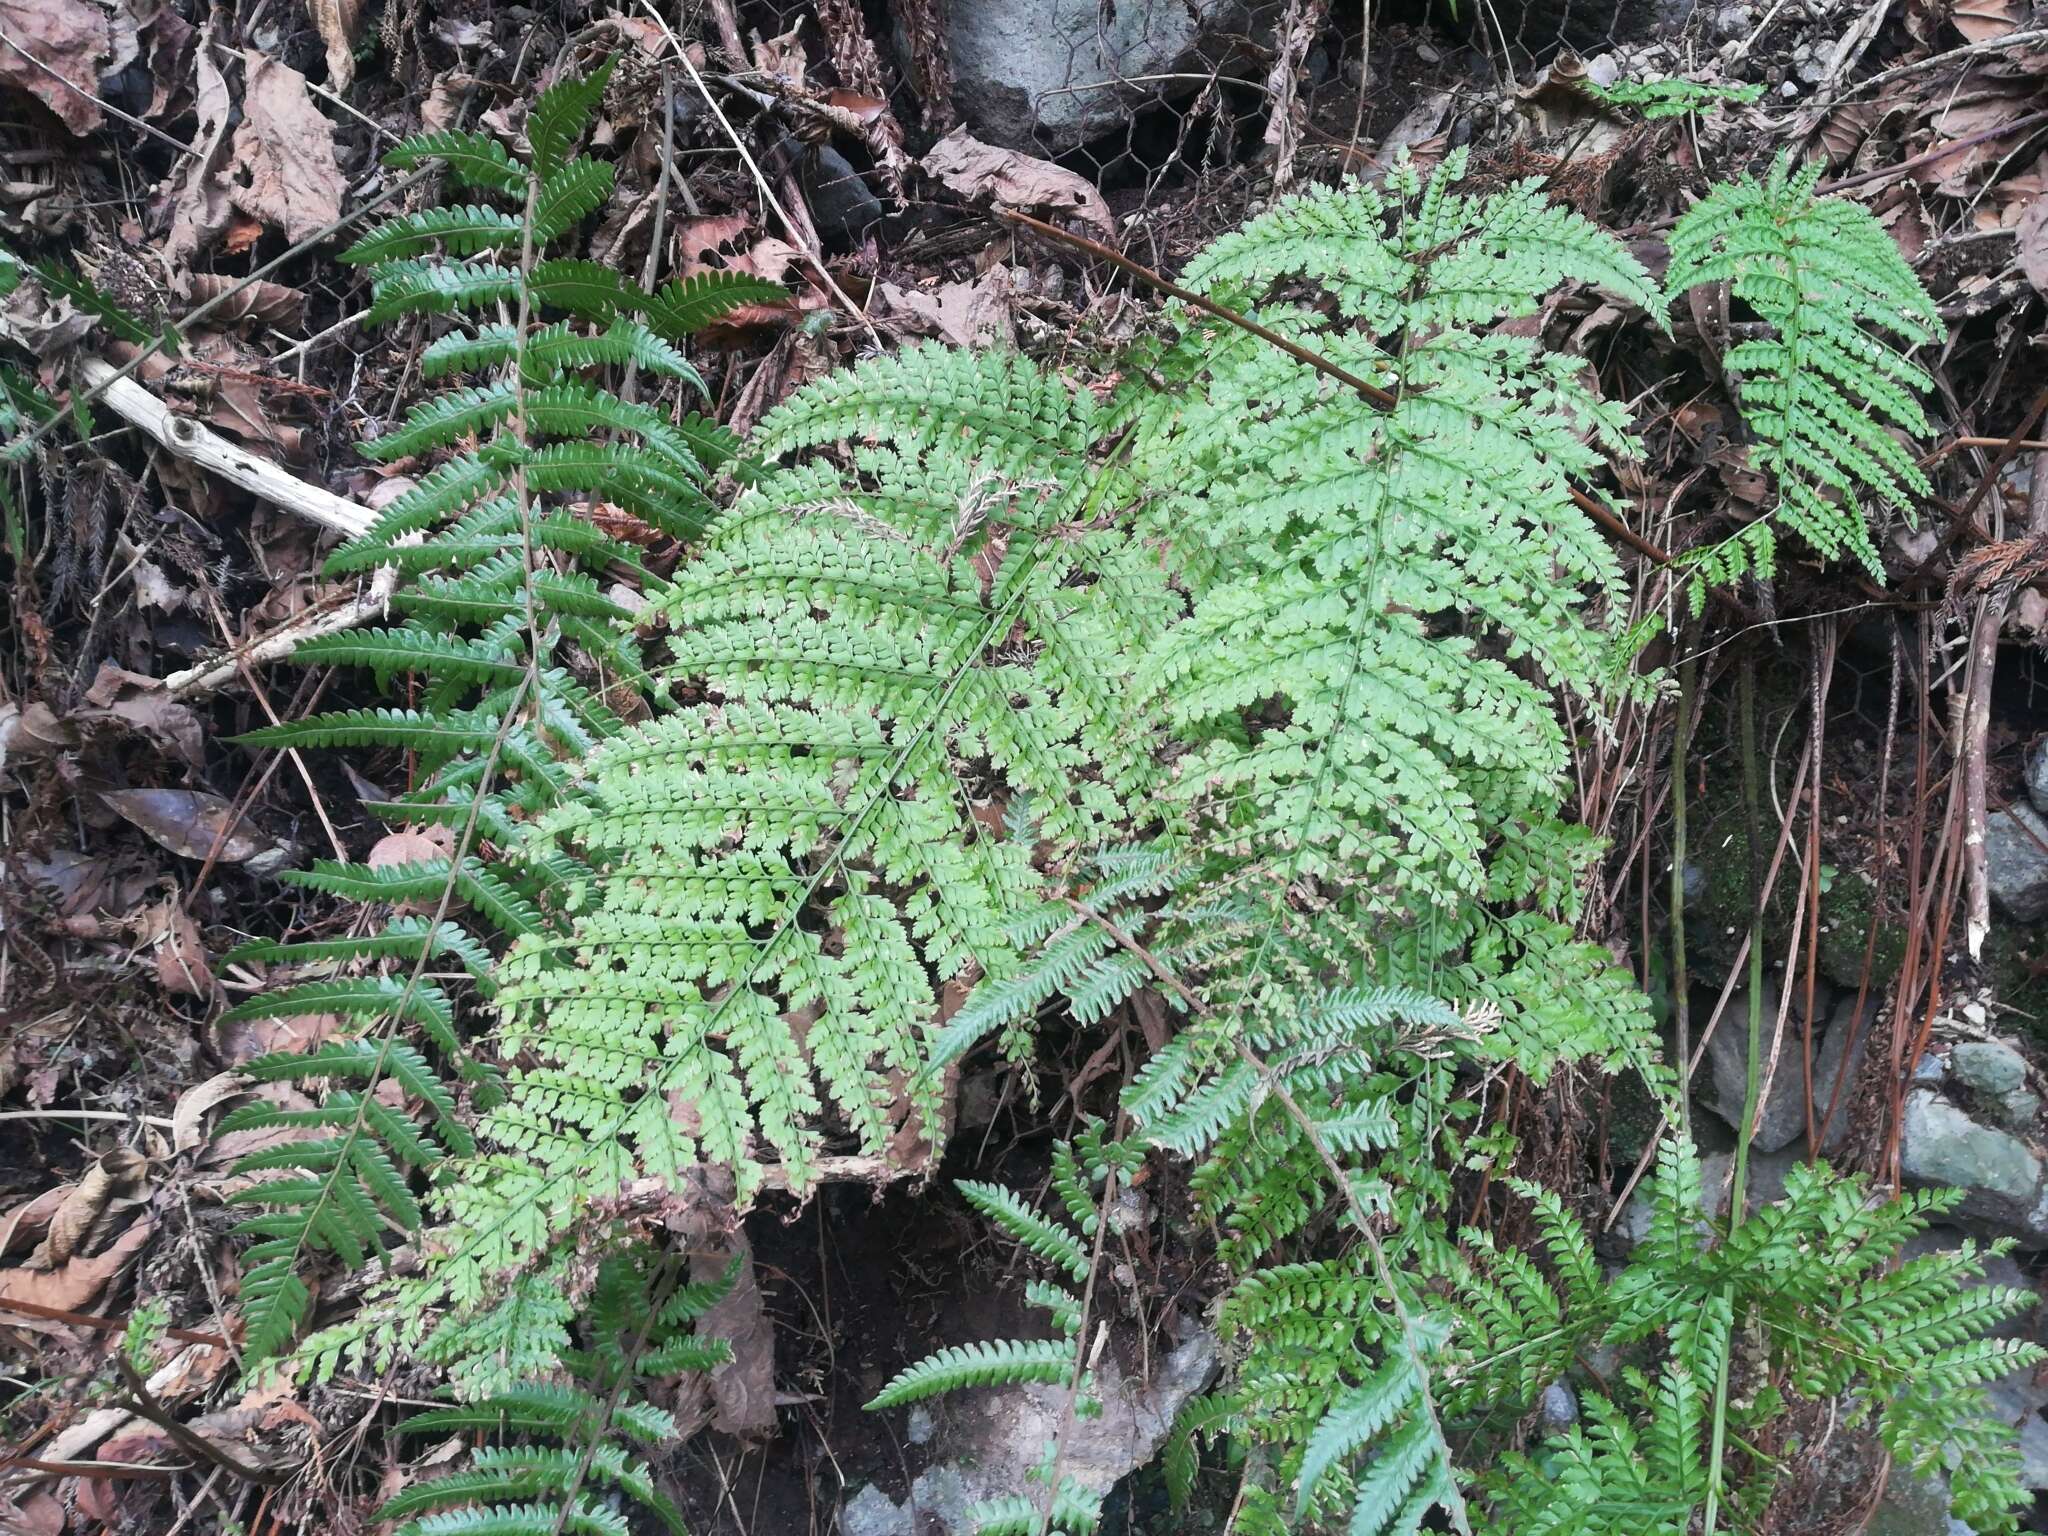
[(1988, 1066), (2016, 861), (1559, 1408), (2016, 1111), (1045, 75), (872, 1512), (2037, 771), (2001, 1176), (1784, 1116), (2034, 1453), (1915, 1506), (989, 1442)]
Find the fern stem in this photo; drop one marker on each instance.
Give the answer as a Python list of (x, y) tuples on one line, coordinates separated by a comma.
[(1688, 678), (1738, 1192)]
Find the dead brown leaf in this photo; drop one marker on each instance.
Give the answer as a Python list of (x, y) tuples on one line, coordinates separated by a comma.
[(189, 822), (964, 164), (142, 704), (111, 1186), (188, 1119), (181, 962), (265, 303), (975, 314), (742, 1391), (74, 1283), (410, 845), (340, 22), (198, 201), (56, 50), (283, 169), (1982, 20), (2032, 236)]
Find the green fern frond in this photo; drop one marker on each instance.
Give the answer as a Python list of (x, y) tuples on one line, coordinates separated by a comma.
[(361, 996), (459, 231), (688, 304), (560, 114), (1013, 1215), (473, 159), (422, 287), (955, 1369), (1825, 393), (570, 195)]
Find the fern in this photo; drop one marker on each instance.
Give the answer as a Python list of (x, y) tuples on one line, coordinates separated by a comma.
[(492, 642), (579, 1482), (1826, 389), (1675, 97), (1241, 683), (1056, 1362)]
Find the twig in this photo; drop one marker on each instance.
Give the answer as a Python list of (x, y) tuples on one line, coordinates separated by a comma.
[(191, 440), (148, 1407), (1919, 66), (286, 638), (1384, 399), (233, 291), (103, 1324), (83, 1114), (810, 253)]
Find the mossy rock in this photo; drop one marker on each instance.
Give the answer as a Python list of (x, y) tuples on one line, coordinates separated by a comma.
[(2015, 963)]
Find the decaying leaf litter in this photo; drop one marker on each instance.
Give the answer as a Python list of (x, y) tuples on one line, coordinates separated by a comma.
[(204, 165)]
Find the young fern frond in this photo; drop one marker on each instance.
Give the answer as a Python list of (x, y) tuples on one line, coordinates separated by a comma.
[(1827, 392)]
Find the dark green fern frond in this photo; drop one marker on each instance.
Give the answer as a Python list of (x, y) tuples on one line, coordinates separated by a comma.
[(458, 231), (473, 159), (560, 114)]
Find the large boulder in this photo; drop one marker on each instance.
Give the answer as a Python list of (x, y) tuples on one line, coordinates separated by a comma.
[(1047, 75)]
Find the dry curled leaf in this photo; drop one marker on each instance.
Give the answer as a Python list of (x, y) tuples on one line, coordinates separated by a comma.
[(265, 303), (114, 1184), (964, 164), (189, 822), (198, 199), (340, 22), (74, 1283)]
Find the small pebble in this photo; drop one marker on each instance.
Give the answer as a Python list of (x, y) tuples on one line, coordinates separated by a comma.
[(1789, 89)]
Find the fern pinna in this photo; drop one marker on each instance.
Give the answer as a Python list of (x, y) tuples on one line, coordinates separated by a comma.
[(511, 649)]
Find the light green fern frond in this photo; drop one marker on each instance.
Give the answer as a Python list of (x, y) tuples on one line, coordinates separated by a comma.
[(1829, 392)]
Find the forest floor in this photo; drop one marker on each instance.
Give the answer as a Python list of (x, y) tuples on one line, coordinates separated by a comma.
[(169, 151)]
